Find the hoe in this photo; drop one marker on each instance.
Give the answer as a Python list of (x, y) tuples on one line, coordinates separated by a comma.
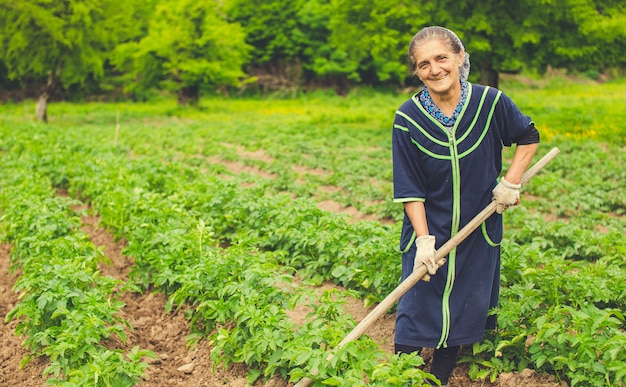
[(421, 271)]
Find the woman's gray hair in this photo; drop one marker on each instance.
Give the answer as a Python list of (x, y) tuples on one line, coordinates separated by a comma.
[(445, 35)]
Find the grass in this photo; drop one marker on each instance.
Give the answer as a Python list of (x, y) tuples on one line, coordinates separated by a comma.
[(559, 106), (320, 147)]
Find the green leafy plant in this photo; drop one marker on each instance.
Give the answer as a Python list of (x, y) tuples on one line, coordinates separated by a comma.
[(238, 251)]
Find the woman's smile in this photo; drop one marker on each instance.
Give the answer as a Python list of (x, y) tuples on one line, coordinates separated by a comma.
[(439, 68)]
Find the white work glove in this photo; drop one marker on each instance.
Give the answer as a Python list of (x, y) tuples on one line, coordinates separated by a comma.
[(506, 195), (425, 254)]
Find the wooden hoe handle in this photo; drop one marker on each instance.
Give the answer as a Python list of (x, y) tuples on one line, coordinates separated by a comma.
[(421, 271)]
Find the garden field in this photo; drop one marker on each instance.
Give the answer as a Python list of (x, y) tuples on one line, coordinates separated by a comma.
[(238, 242)]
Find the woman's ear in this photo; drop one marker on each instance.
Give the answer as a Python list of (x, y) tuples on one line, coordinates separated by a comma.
[(461, 57)]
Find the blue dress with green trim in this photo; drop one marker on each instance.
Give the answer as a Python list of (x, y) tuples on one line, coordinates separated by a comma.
[(452, 166)]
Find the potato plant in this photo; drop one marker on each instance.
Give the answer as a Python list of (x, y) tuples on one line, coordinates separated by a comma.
[(237, 247), (67, 309)]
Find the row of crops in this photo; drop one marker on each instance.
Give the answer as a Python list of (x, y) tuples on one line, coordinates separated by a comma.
[(227, 251), (240, 250)]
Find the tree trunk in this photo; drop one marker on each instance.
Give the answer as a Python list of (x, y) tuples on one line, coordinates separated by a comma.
[(41, 110), (488, 76), (188, 95)]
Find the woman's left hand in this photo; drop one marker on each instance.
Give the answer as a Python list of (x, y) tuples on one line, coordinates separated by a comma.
[(506, 195)]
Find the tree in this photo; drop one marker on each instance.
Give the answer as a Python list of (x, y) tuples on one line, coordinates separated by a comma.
[(61, 42), (333, 42), (577, 34), (504, 36), (285, 35), (491, 30), (190, 44), (370, 38)]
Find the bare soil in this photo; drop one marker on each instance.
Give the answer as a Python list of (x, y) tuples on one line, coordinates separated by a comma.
[(165, 334)]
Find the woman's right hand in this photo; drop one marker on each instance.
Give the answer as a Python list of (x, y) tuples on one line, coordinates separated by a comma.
[(425, 254)]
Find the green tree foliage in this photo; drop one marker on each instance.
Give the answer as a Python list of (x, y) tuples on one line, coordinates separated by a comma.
[(334, 42), (287, 37), (576, 34), (491, 33), (59, 42), (189, 45), (272, 27), (370, 38), (508, 36)]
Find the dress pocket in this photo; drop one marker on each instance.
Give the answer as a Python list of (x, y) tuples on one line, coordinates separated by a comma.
[(492, 229)]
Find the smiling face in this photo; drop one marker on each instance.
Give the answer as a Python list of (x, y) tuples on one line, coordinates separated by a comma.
[(439, 68)]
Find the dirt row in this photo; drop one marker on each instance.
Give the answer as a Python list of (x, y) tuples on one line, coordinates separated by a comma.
[(165, 335)]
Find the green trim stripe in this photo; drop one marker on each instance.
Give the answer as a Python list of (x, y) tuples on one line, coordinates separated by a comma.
[(467, 100), (489, 241), (445, 304), (486, 128), (428, 152), (405, 200), (456, 206), (411, 241), (456, 219), (424, 132), (417, 102), (471, 127), (402, 128), (454, 156)]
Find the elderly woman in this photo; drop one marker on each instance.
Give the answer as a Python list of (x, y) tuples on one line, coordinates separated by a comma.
[(447, 157)]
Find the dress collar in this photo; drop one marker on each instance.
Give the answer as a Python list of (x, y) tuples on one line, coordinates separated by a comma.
[(432, 108)]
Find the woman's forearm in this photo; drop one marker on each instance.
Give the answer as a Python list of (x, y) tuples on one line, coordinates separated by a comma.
[(521, 160), (417, 215)]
